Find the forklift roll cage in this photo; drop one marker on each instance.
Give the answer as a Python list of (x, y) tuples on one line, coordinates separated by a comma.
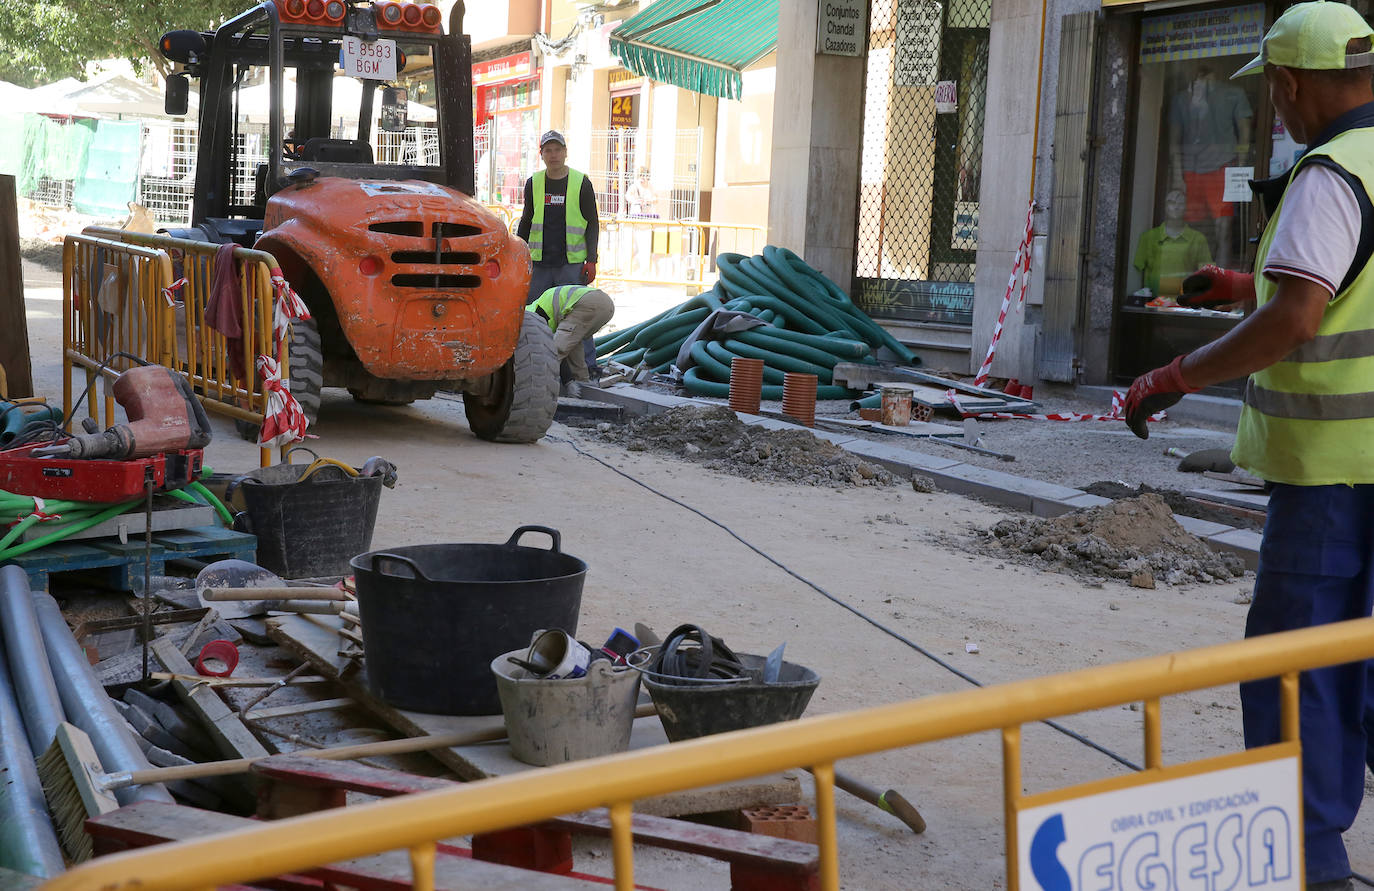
[(313, 49)]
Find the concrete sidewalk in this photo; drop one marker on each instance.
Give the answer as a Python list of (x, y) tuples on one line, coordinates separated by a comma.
[(1008, 490)]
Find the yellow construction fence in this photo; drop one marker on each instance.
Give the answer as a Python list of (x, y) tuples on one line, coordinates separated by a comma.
[(415, 822)]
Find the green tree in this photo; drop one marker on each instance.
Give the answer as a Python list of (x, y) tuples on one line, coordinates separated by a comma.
[(45, 40)]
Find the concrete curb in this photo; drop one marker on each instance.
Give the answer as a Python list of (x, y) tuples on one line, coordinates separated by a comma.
[(1005, 489)]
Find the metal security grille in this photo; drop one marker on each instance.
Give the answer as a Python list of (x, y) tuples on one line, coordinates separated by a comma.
[(922, 159), (619, 152)]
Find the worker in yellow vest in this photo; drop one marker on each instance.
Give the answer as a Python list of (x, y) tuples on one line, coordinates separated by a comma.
[(574, 314), (1307, 424), (560, 224)]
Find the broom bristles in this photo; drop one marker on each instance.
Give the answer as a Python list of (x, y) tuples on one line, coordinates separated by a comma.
[(66, 770)]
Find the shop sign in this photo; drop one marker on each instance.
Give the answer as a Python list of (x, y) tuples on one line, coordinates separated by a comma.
[(840, 26), (623, 110), (1200, 35), (493, 71), (947, 97), (965, 226), (918, 43), (1228, 822)]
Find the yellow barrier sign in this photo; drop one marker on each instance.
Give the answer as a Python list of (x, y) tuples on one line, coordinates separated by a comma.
[(1229, 822)]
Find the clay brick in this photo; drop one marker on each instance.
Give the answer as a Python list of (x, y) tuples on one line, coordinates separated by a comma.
[(791, 821)]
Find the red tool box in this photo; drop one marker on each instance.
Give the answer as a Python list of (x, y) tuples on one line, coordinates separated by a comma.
[(95, 479)]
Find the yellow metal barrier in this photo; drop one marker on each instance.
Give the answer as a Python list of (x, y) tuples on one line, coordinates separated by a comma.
[(416, 821), (179, 336)]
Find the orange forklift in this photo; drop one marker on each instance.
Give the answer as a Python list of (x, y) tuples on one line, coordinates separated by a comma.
[(412, 285)]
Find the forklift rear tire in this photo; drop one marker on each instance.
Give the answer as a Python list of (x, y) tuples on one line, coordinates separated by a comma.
[(524, 395), (307, 374)]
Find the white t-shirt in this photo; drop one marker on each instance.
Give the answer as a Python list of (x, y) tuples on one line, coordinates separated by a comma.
[(1318, 231)]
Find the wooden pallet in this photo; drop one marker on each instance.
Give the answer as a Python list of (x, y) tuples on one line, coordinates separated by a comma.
[(294, 784), (118, 565), (147, 823)]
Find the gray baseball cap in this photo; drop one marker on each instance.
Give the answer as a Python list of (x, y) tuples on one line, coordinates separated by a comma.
[(552, 136)]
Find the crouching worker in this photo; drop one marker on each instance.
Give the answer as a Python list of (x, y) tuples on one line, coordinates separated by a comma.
[(574, 312)]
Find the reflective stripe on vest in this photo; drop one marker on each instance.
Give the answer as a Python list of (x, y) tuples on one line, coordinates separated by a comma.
[(554, 303), (1308, 420), (575, 225)]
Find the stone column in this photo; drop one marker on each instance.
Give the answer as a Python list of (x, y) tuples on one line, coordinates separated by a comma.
[(817, 133)]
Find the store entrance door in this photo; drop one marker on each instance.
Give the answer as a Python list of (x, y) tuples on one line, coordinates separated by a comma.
[(922, 159)]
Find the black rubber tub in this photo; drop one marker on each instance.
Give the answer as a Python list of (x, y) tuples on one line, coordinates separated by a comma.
[(690, 709), (434, 616)]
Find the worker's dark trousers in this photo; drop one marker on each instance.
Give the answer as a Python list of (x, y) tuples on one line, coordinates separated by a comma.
[(1315, 567)]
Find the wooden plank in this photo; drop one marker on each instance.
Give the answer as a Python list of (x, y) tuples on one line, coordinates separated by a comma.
[(299, 708), (730, 845), (922, 429), (14, 325), (314, 638), (206, 540), (133, 523), (121, 623), (229, 733), (150, 822)]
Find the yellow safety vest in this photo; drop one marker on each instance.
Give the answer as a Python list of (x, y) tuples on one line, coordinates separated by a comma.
[(575, 225), (1308, 420), (554, 303)]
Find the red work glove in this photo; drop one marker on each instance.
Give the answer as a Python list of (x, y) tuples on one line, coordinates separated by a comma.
[(1154, 391), (589, 271), (1213, 286)]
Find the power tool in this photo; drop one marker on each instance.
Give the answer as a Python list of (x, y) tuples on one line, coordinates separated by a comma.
[(160, 446), (164, 416)]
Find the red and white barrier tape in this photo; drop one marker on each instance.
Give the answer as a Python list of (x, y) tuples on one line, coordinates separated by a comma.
[(37, 513), (170, 290), (287, 306), (283, 422), (1020, 267), (1118, 413)]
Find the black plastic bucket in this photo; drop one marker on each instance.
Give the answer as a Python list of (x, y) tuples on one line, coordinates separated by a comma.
[(434, 616), (689, 709), (307, 527)]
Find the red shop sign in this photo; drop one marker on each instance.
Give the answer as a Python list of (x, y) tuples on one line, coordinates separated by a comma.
[(515, 67)]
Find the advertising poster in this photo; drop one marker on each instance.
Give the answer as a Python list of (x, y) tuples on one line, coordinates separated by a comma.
[(1200, 35)]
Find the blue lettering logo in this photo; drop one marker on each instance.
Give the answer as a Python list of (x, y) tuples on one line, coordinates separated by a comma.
[(1044, 860)]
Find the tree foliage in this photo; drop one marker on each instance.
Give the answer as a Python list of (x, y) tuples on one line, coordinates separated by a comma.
[(45, 40)]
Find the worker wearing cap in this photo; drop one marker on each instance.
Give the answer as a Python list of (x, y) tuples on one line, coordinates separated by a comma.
[(560, 224), (574, 314), (1307, 425)]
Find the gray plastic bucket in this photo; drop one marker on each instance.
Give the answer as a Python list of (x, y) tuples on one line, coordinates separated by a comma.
[(551, 722)]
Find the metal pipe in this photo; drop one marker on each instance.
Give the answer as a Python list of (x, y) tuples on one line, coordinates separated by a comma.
[(28, 842), (87, 706), (34, 689)]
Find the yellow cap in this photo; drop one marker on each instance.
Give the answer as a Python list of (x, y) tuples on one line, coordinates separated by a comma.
[(1313, 36)]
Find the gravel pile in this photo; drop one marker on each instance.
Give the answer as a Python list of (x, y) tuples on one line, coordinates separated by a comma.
[(1136, 540), (714, 436)]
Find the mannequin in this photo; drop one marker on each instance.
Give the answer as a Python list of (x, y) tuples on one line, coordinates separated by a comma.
[(1210, 125), (1171, 251)]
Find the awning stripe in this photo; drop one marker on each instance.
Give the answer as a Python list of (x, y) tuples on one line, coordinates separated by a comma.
[(699, 45)]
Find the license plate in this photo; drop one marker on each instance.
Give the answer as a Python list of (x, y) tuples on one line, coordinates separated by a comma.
[(375, 59)]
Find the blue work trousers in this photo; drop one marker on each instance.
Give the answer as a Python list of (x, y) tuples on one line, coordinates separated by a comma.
[(544, 277), (1315, 567)]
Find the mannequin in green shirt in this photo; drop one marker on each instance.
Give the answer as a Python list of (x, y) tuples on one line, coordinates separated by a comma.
[(1171, 251)]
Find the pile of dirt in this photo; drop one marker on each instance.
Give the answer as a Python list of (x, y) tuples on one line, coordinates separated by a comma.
[(714, 436), (1134, 539), (42, 252), (1181, 504)]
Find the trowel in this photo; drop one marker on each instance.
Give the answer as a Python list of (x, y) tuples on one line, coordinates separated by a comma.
[(239, 589)]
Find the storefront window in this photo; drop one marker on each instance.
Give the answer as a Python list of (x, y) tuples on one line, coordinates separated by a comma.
[(1197, 145)]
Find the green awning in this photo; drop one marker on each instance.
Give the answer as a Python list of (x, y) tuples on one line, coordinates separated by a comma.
[(699, 45)]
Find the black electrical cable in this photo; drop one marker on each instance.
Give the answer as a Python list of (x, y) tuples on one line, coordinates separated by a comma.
[(1074, 735)]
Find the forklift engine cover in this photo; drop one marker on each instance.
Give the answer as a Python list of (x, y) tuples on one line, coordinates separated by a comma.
[(427, 283)]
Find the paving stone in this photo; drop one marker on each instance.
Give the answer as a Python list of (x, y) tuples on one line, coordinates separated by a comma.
[(1244, 543), (1202, 528)]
